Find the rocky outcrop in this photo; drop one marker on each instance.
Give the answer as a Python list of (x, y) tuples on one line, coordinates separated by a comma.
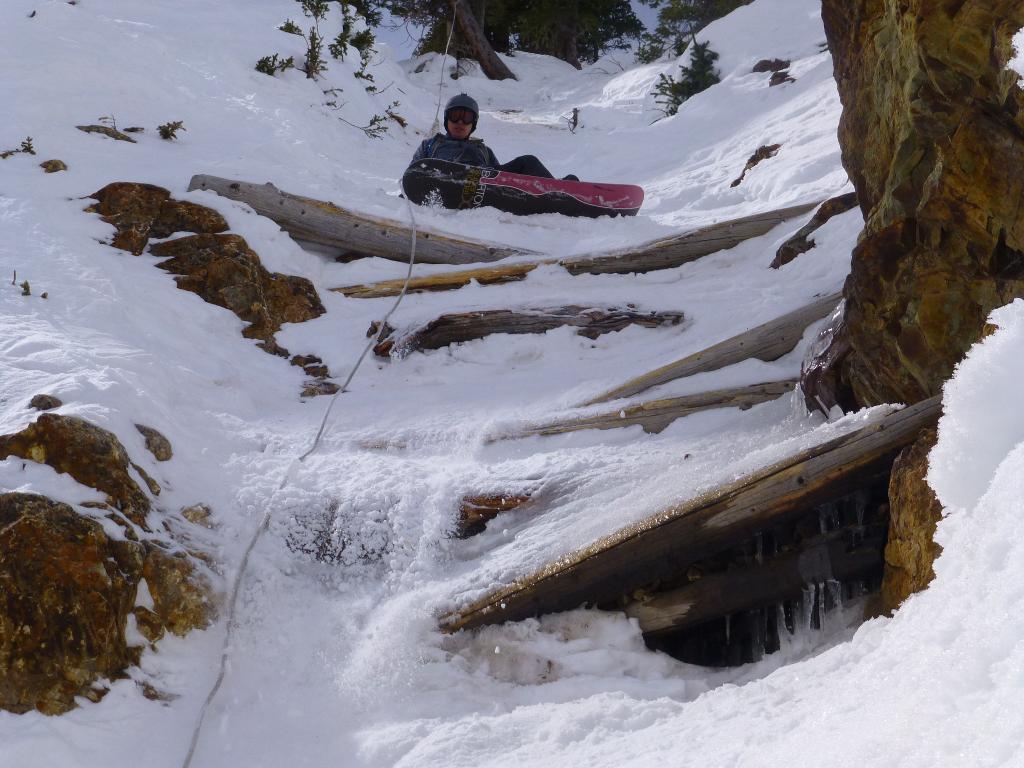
[(68, 592), (90, 454), (932, 134), (223, 270), (45, 402), (141, 211), (156, 443), (914, 513)]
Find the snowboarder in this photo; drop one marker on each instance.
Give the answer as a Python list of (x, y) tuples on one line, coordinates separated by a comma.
[(455, 145)]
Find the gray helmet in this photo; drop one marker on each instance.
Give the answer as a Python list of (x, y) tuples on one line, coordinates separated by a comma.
[(462, 100)]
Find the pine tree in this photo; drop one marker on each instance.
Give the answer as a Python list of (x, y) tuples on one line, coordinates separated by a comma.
[(678, 22), (699, 75)]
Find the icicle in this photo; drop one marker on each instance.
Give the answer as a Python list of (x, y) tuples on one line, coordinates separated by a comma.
[(728, 623), (835, 591), (759, 548), (820, 589), (807, 607)]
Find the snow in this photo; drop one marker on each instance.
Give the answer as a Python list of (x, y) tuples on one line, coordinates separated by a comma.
[(342, 663), (1017, 62)]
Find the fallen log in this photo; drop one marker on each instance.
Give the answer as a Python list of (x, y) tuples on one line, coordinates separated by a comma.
[(446, 281), (767, 342), (327, 224), (655, 415), (662, 546), (780, 578), (476, 511), (680, 249), (466, 326), (657, 254)]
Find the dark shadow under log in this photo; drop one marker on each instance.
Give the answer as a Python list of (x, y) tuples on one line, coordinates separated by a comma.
[(467, 326), (662, 546), (827, 558)]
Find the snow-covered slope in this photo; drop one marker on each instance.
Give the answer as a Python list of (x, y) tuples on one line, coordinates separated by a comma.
[(342, 664)]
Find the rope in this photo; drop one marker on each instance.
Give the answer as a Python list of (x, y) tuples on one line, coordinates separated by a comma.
[(436, 125), (265, 522)]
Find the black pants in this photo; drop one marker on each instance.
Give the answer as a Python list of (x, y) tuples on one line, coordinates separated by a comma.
[(528, 165)]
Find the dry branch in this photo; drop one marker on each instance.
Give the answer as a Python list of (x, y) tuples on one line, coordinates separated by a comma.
[(326, 224), (767, 342), (466, 326), (476, 511), (662, 546), (655, 415)]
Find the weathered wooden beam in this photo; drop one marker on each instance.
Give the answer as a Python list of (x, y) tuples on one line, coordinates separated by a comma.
[(679, 249), (655, 415), (662, 546), (327, 224), (767, 342), (446, 281), (657, 254), (476, 511), (466, 326), (780, 578)]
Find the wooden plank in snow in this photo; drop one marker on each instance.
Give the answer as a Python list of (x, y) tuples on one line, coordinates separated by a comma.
[(327, 224), (658, 254), (679, 249), (664, 545), (446, 281), (767, 342), (466, 326), (655, 415)]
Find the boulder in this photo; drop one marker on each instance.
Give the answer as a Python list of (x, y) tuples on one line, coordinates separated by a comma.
[(156, 443), (939, 183), (67, 593), (914, 513), (90, 454), (45, 402), (68, 589), (141, 211), (223, 270)]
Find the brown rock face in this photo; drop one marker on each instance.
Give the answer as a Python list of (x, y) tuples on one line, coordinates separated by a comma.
[(91, 455), (933, 139), (67, 591), (141, 211), (223, 270), (911, 549), (156, 443)]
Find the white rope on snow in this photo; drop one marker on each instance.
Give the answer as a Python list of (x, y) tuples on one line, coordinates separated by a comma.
[(265, 522), (436, 125)]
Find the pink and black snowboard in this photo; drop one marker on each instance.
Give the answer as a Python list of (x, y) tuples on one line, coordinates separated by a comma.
[(453, 185)]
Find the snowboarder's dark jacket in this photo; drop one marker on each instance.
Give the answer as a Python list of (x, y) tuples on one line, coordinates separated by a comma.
[(466, 151)]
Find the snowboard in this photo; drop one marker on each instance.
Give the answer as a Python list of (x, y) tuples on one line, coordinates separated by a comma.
[(457, 186)]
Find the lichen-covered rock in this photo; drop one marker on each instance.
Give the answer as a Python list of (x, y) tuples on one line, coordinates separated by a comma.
[(181, 598), (141, 211), (199, 514), (66, 595), (67, 592), (90, 454), (914, 513), (939, 183), (801, 242), (53, 166), (223, 270), (156, 443), (45, 402)]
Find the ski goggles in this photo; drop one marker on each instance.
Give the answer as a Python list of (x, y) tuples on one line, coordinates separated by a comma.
[(460, 115)]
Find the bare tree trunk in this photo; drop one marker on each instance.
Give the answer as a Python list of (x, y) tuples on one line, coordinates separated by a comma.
[(476, 41)]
